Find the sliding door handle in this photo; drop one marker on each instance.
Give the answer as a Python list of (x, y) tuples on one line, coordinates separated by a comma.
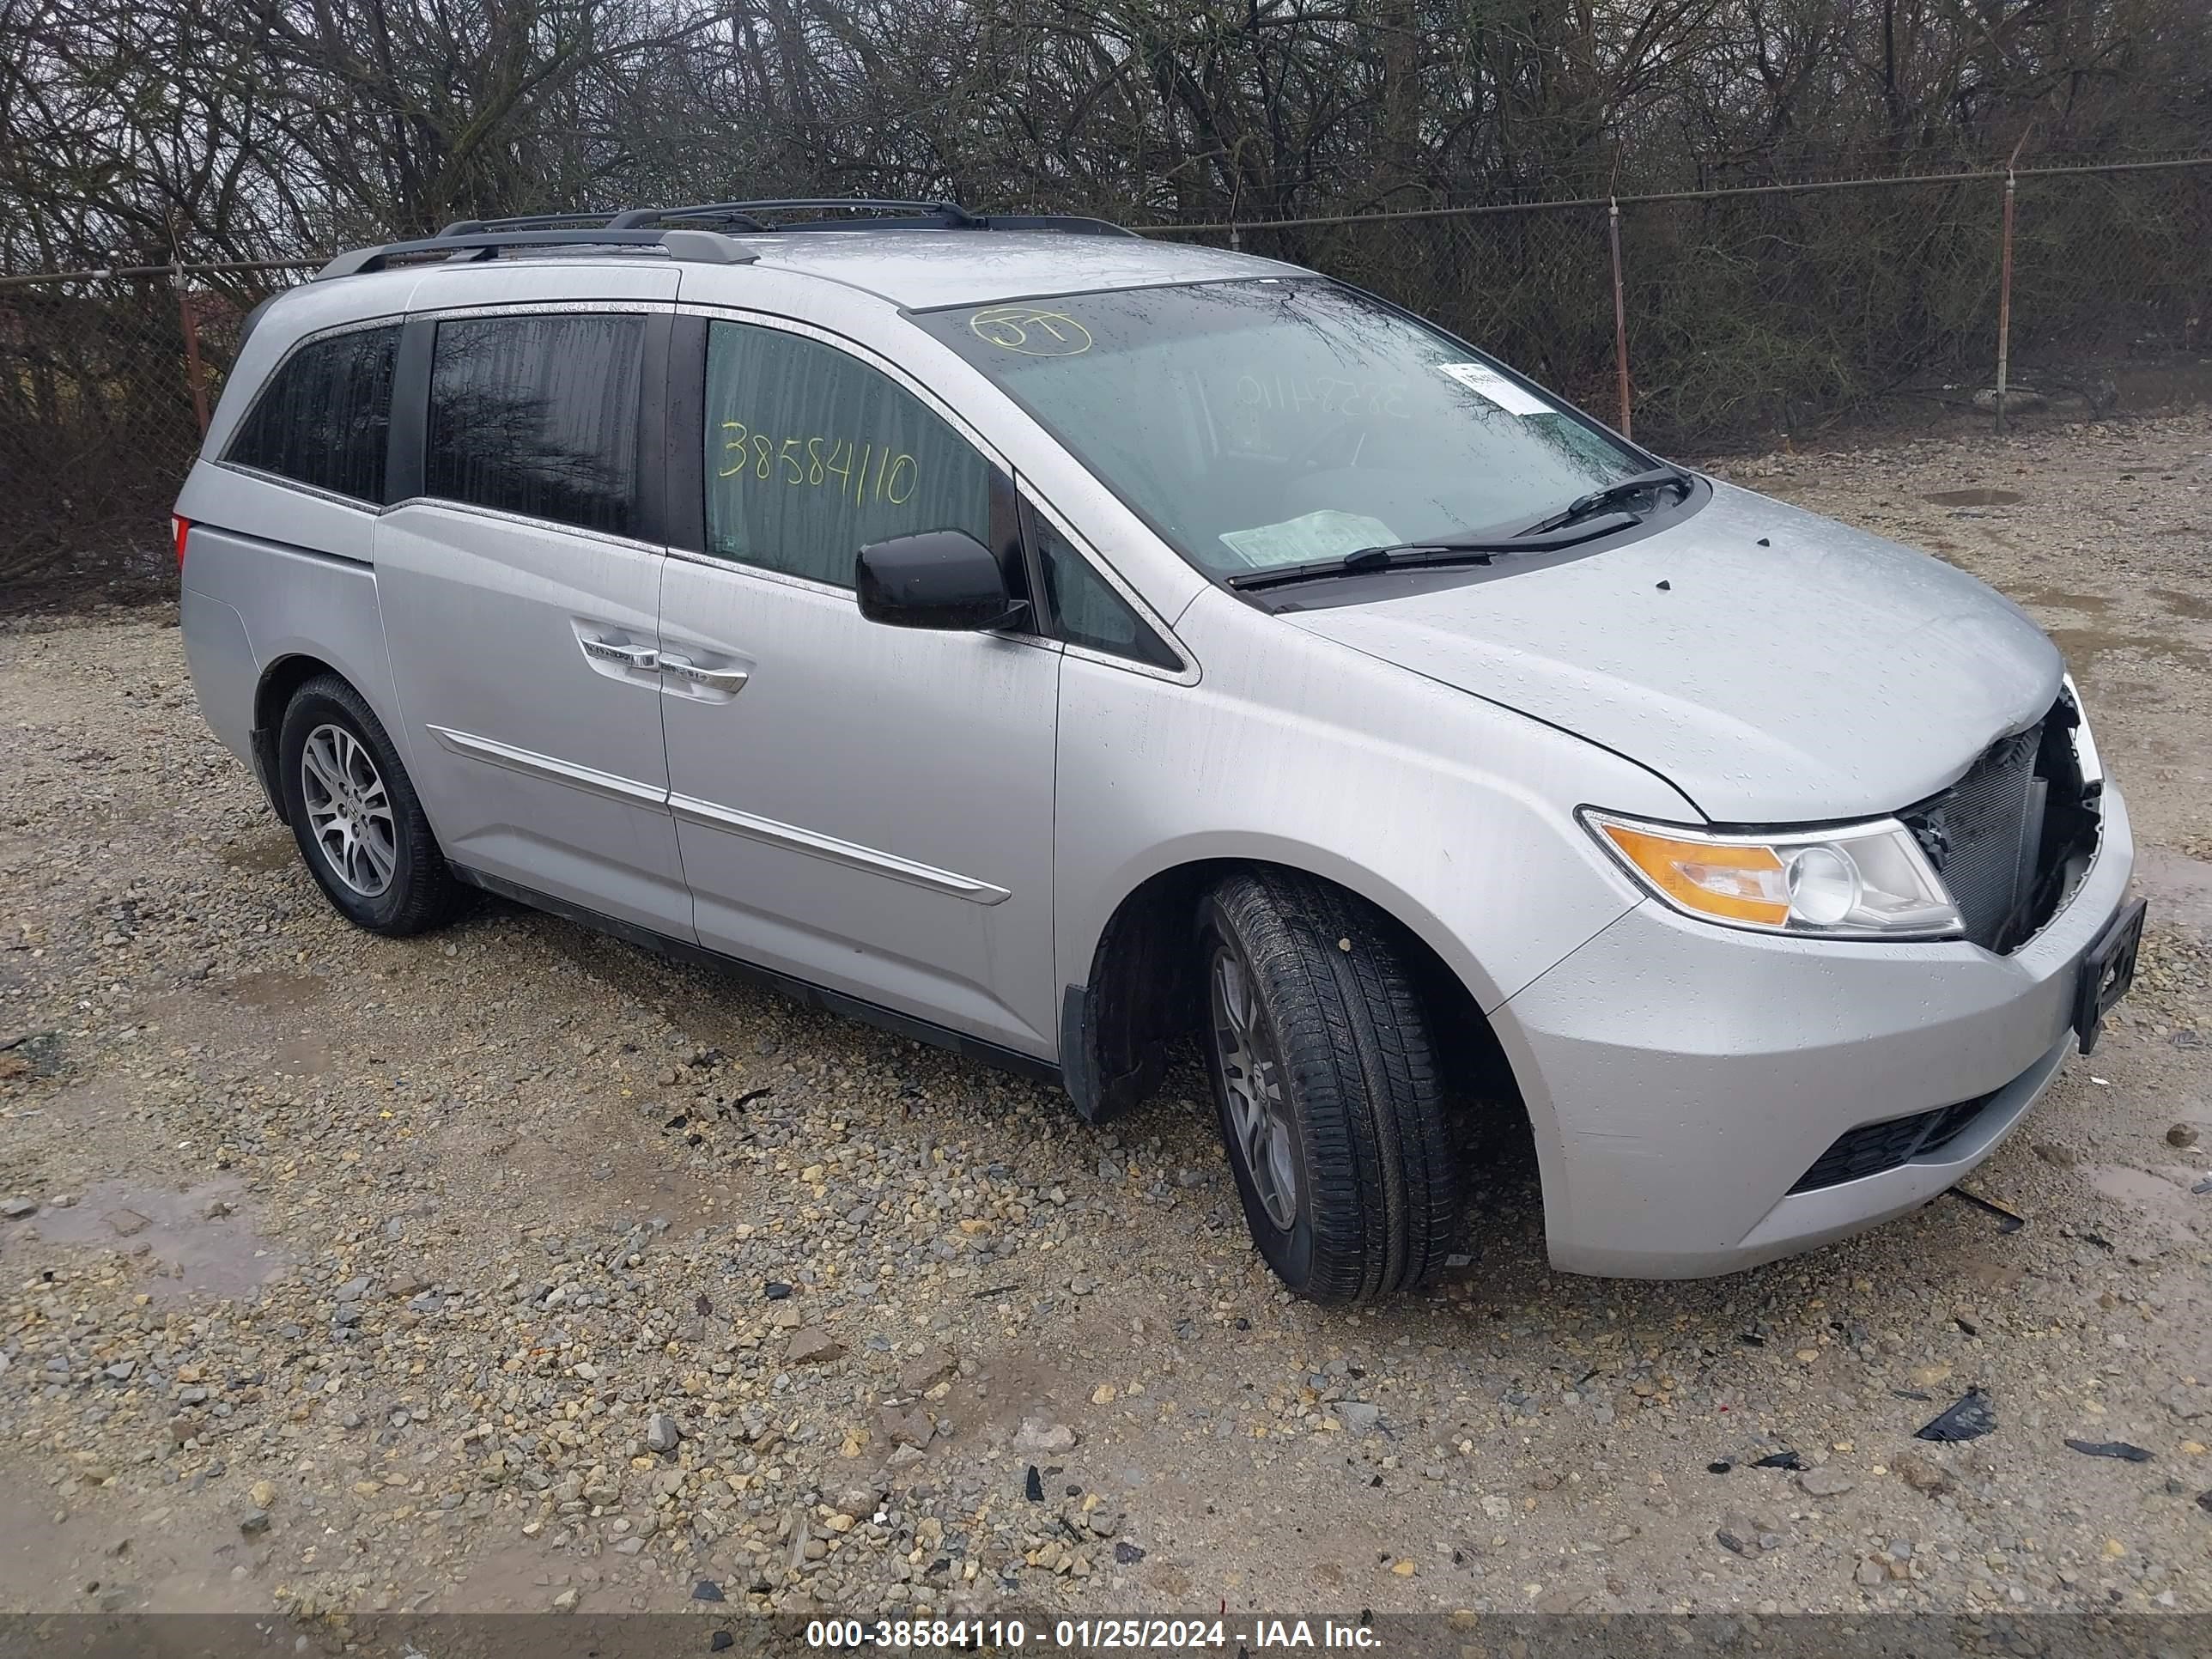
[(643, 657), (731, 680)]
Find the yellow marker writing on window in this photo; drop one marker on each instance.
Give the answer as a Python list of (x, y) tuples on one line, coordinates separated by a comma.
[(1031, 330), (861, 472)]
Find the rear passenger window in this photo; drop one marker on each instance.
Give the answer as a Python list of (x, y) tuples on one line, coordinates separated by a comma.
[(324, 415), (538, 416), (812, 455)]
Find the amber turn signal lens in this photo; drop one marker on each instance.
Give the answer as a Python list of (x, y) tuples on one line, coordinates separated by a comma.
[(1737, 883)]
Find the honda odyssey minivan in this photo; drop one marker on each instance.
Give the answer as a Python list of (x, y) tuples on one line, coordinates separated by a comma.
[(1058, 644)]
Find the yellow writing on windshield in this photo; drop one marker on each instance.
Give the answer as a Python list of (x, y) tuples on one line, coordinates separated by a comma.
[(1031, 330)]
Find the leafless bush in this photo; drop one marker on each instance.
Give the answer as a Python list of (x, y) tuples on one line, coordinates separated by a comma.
[(137, 132)]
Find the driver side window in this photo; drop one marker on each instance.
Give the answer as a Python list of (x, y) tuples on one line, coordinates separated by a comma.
[(812, 454)]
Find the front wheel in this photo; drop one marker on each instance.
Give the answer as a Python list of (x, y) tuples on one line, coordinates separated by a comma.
[(355, 815), (1327, 1084)]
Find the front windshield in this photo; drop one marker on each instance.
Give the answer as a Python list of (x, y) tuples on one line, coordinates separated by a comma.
[(1270, 422)]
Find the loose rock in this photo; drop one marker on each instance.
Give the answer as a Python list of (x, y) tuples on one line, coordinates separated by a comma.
[(1041, 1434), (814, 1346)]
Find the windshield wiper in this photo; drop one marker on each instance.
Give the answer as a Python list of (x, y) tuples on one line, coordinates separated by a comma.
[(1440, 551), (1659, 477)]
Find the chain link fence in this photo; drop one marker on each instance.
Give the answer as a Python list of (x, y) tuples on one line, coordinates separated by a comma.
[(105, 380), (1702, 321), (1745, 314)]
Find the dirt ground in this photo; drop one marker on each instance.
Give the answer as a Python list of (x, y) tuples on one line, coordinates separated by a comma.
[(514, 1269)]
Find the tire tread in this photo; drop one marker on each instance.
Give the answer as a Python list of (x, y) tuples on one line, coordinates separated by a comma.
[(1354, 1040)]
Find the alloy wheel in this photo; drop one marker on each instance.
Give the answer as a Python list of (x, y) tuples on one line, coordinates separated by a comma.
[(1252, 1079), (348, 810)]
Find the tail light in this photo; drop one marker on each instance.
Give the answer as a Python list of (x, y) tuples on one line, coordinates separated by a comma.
[(182, 528)]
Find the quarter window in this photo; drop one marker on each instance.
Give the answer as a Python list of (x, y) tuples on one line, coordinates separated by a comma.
[(813, 455), (539, 415), (324, 415), (1088, 610)]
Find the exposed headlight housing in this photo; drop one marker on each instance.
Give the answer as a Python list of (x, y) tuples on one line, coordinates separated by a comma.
[(1861, 881), (2086, 758)]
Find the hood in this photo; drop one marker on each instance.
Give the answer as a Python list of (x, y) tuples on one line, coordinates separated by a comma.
[(1830, 674)]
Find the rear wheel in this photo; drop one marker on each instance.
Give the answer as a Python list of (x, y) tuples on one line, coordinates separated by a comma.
[(355, 815), (1328, 1087)]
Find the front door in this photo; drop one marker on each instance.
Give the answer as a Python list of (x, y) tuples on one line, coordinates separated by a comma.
[(520, 591), (865, 807)]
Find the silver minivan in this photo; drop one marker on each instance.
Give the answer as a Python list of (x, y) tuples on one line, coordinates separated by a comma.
[(1057, 644)]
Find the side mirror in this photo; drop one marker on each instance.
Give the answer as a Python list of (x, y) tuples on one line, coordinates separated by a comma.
[(943, 579)]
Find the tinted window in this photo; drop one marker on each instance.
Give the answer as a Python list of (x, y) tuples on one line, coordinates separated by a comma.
[(538, 416), (1089, 612), (812, 455), (324, 417)]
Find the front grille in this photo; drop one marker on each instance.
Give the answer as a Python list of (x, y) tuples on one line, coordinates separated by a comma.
[(1983, 834), (1873, 1147)]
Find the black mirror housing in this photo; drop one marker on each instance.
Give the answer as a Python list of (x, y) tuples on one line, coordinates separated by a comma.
[(941, 578)]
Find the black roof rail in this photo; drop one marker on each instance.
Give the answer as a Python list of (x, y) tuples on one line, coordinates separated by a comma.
[(683, 232), (946, 215), (728, 213), (706, 247), (911, 216), (580, 219)]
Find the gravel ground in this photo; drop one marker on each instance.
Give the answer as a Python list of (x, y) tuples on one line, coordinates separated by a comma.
[(515, 1269)]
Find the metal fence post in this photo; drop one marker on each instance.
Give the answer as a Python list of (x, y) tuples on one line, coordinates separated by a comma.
[(195, 370), (1620, 315), (2005, 302)]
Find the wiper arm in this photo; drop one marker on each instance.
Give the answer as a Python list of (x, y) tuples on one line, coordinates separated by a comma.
[(1441, 551), (1659, 477)]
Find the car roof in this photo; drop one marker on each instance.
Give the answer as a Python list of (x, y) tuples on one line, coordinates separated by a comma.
[(917, 269), (920, 270)]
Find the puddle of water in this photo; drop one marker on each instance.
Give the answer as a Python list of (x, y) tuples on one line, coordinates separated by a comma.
[(1979, 497), (261, 854), (2195, 606), (2180, 887), (220, 1256), (2057, 598), (306, 1056), (2161, 1201), (278, 994), (2083, 645)]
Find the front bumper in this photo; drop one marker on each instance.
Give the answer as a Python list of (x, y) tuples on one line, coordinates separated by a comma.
[(1681, 1077)]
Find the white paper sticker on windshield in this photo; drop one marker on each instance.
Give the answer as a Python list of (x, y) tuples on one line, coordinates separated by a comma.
[(1486, 382), (1327, 534)]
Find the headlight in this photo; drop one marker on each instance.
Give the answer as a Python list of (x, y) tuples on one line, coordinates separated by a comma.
[(1864, 881)]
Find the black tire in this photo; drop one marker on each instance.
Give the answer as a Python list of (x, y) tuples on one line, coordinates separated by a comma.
[(1378, 1188), (421, 891)]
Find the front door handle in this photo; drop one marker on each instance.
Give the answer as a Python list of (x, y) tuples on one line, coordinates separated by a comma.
[(731, 680), (643, 657)]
